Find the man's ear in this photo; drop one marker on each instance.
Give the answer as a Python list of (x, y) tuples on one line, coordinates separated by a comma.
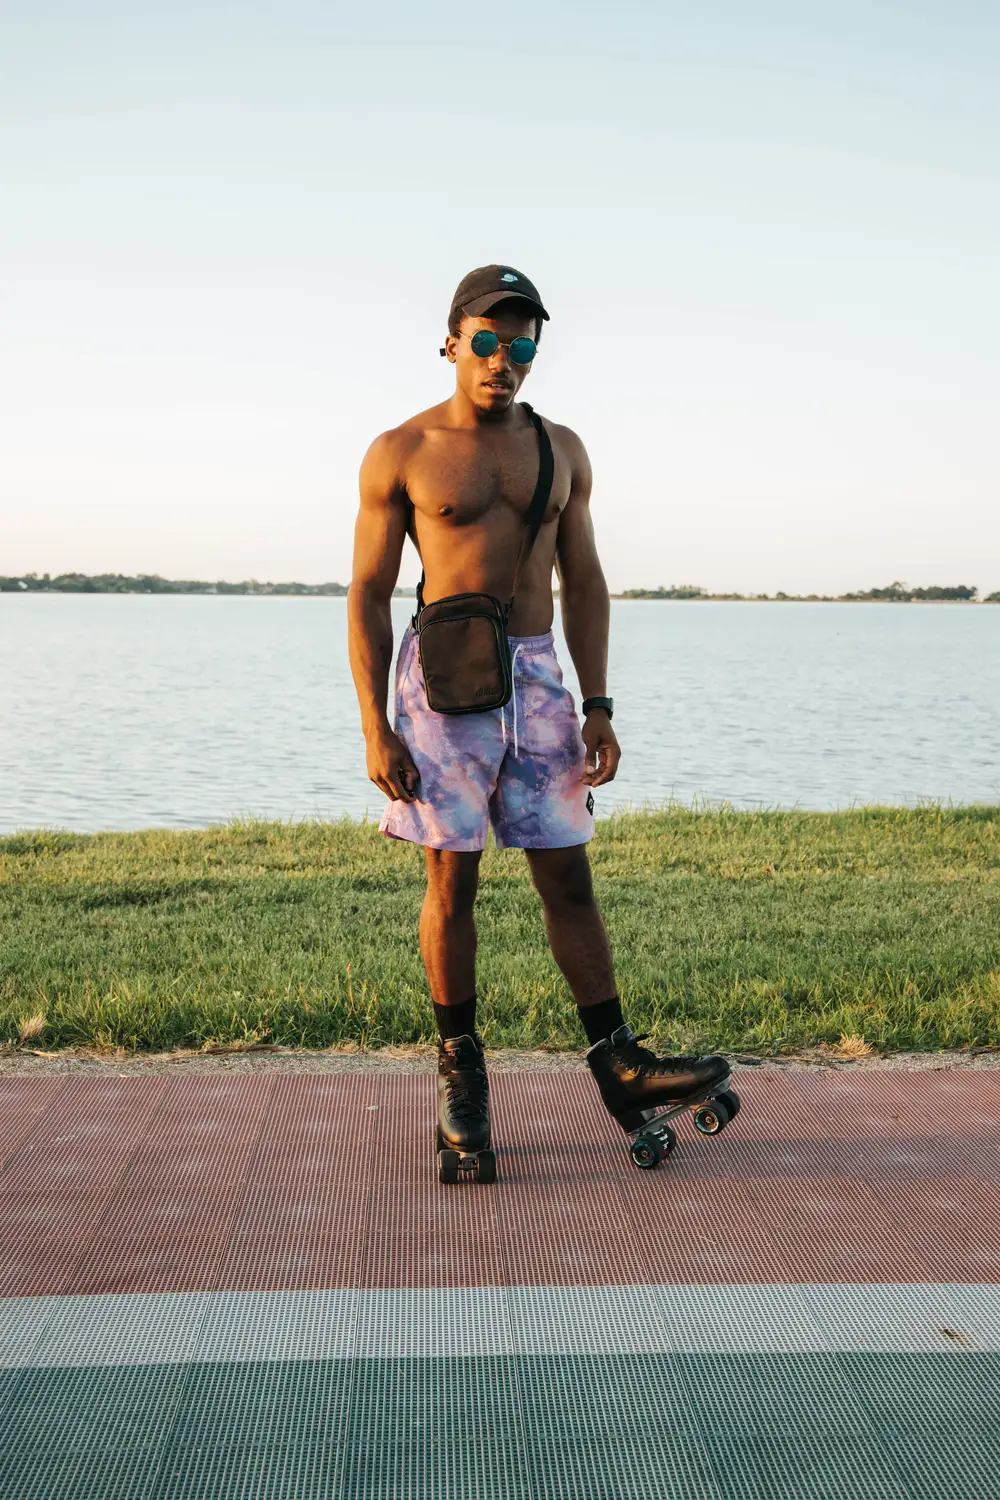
[(450, 350)]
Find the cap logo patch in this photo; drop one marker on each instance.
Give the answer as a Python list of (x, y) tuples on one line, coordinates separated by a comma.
[(508, 276)]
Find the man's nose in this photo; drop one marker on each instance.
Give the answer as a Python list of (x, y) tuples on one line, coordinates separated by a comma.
[(500, 360)]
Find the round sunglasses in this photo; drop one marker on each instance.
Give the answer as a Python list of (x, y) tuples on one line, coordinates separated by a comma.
[(485, 344)]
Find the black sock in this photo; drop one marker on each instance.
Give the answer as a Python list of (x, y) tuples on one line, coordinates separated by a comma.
[(455, 1020), (602, 1019)]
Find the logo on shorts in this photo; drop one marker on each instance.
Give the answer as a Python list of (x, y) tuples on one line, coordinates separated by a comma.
[(483, 692)]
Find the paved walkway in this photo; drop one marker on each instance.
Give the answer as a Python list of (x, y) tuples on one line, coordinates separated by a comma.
[(237, 1286)]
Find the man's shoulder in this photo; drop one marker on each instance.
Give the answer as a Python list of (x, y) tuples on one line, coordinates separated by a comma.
[(565, 435), (568, 443), (392, 448)]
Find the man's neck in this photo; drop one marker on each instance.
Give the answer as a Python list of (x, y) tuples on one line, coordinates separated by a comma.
[(465, 413)]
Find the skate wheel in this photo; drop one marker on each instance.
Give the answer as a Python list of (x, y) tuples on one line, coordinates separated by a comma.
[(647, 1152), (487, 1169), (731, 1102), (448, 1166), (711, 1118)]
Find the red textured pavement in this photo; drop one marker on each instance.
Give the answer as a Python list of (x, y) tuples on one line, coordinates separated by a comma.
[(273, 1182)]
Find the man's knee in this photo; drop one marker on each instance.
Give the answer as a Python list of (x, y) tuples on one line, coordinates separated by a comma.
[(452, 881), (562, 877)]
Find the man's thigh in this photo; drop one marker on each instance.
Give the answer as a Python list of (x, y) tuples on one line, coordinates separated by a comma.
[(541, 800), (456, 756)]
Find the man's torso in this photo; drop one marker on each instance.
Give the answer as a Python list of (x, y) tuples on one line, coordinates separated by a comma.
[(469, 490)]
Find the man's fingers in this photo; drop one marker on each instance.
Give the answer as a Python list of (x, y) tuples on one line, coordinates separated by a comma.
[(405, 779), (394, 771), (590, 768), (409, 774), (609, 756), (391, 788)]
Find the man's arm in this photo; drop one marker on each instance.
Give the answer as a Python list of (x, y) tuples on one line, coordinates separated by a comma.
[(379, 535), (586, 611)]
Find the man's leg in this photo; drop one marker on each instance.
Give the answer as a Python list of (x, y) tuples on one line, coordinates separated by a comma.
[(577, 935), (448, 937), (541, 805), (448, 946), (633, 1081)]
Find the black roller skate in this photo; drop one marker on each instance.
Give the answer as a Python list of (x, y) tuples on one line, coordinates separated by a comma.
[(644, 1091), (463, 1111)]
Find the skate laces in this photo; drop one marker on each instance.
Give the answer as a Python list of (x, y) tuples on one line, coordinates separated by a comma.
[(465, 1083), (648, 1060), (466, 1090)]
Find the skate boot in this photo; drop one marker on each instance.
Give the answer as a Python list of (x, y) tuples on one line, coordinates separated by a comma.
[(644, 1091), (463, 1111)]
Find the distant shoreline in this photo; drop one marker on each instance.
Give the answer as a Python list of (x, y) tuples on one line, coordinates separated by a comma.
[(152, 583), (632, 596)]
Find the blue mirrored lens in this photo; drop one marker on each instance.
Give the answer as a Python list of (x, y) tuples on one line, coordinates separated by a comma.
[(522, 351), (484, 343)]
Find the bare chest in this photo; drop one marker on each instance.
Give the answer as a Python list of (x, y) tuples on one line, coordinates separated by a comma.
[(460, 479)]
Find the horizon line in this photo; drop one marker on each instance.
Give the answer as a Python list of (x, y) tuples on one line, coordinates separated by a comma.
[(155, 583)]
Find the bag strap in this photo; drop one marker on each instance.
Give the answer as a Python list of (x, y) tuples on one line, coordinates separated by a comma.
[(533, 516), (535, 513)]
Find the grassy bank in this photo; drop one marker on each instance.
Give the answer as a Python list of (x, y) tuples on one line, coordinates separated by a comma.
[(745, 931)]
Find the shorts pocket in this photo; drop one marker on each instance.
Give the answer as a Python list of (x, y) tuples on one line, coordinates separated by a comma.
[(404, 665), (546, 716)]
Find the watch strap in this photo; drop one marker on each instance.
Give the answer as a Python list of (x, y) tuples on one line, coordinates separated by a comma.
[(608, 704)]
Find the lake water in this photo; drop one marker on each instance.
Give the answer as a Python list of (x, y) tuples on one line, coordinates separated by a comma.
[(130, 712)]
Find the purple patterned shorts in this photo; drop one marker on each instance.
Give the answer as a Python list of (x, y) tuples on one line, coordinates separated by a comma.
[(517, 768)]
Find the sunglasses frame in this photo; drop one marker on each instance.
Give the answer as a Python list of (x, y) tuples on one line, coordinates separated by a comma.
[(522, 338)]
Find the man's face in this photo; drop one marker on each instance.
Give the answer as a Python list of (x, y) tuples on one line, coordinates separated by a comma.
[(491, 384)]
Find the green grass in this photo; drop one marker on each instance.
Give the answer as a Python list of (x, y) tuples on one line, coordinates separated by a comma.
[(759, 932)]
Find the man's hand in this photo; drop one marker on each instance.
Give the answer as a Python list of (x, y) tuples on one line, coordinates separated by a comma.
[(391, 767), (603, 750)]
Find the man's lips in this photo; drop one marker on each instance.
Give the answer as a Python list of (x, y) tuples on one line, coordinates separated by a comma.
[(498, 385)]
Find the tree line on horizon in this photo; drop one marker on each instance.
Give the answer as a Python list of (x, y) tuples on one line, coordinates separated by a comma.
[(894, 593), (153, 583)]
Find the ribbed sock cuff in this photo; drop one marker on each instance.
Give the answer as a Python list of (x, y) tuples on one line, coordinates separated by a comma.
[(602, 1019), (455, 1020)]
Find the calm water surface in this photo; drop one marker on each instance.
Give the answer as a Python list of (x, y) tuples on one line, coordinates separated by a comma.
[(129, 712)]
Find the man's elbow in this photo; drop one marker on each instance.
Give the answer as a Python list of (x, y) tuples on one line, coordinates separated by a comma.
[(366, 596), (585, 585)]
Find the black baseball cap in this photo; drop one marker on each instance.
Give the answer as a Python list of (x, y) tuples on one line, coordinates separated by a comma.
[(488, 285)]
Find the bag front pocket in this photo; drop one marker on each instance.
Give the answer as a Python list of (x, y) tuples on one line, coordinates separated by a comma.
[(465, 662)]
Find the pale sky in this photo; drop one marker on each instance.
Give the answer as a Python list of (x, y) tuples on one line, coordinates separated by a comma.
[(767, 234)]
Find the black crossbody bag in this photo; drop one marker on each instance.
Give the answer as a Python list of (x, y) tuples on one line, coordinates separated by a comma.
[(462, 640)]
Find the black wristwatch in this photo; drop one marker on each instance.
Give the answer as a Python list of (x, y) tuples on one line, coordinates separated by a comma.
[(608, 704)]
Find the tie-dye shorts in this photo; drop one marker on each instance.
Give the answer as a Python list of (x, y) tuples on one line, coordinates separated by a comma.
[(516, 768)]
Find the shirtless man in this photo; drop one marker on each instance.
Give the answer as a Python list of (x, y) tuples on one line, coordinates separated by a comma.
[(458, 479)]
